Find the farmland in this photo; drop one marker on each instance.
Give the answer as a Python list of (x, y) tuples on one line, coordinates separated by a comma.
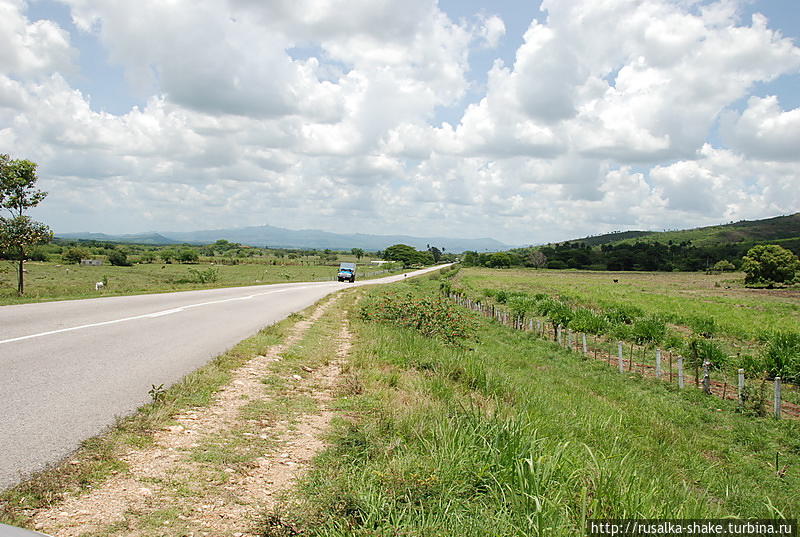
[(53, 281), (510, 434)]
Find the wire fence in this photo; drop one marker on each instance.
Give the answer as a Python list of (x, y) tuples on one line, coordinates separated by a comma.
[(761, 396)]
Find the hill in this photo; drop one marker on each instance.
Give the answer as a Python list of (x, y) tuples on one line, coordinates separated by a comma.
[(276, 237)]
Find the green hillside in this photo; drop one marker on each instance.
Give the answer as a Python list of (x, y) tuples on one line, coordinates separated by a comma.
[(781, 230)]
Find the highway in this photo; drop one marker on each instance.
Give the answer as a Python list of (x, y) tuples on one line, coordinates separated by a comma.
[(68, 369)]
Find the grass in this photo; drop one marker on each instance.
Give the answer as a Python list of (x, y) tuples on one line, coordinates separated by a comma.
[(740, 313), (520, 437), (51, 281)]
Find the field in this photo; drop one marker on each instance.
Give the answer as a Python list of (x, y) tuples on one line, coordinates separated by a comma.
[(51, 281), (509, 434), (447, 422), (740, 313)]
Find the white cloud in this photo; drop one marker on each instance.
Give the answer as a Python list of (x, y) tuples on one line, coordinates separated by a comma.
[(764, 130), (600, 122)]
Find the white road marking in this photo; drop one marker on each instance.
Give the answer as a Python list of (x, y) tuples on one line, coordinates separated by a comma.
[(153, 315)]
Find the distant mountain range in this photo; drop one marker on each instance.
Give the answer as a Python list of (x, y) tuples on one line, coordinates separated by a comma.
[(275, 237)]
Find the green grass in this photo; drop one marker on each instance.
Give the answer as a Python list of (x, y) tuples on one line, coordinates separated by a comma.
[(51, 281), (520, 437), (739, 313)]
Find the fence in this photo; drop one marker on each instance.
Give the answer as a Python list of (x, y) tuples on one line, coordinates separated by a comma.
[(753, 394)]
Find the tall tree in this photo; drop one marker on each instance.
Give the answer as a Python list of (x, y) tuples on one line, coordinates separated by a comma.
[(18, 194), (358, 252)]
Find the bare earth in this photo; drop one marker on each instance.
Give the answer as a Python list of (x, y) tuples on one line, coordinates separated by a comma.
[(167, 491)]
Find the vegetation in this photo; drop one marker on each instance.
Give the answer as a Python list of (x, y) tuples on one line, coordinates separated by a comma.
[(770, 264), (19, 233), (703, 321), (515, 436), (408, 255)]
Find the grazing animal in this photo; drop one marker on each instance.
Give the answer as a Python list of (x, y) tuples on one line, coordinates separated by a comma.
[(616, 281), (98, 286)]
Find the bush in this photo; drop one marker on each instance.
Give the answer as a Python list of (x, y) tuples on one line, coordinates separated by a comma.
[(585, 320), (700, 350), (74, 255), (209, 275), (623, 314), (433, 317), (768, 264), (648, 331), (781, 356), (118, 258)]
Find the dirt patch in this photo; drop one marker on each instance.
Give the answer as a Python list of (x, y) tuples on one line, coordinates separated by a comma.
[(172, 489)]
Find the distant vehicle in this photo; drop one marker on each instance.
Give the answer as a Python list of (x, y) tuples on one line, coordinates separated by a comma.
[(347, 272)]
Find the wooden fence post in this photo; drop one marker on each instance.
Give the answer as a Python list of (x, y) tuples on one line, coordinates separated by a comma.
[(619, 357), (558, 334), (569, 338), (680, 372), (658, 363), (777, 398), (706, 378), (585, 347), (741, 389)]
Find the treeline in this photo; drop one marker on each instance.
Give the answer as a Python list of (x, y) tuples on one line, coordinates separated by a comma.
[(642, 256)]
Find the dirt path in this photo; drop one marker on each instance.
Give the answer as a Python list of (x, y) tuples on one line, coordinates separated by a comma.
[(220, 468)]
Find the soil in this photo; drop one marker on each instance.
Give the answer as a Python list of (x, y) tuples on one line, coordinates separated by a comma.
[(168, 492)]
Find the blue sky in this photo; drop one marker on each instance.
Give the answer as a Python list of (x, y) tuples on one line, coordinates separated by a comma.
[(523, 121)]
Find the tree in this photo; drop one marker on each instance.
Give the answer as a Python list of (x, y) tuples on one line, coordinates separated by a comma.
[(436, 253), (723, 266), (769, 264), (19, 233), (118, 258), (188, 256), (167, 255), (536, 259), (74, 255), (358, 252)]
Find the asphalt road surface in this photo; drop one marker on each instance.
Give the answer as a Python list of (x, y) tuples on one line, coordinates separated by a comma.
[(68, 369)]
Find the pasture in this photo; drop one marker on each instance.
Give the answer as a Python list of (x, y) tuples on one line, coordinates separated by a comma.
[(52, 281)]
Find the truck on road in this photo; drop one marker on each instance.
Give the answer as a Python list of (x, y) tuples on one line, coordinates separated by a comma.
[(347, 272)]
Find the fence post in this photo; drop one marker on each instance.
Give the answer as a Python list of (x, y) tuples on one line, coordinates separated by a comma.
[(777, 398), (585, 347), (569, 338), (558, 335), (619, 357), (658, 363), (741, 389), (680, 372), (706, 378)]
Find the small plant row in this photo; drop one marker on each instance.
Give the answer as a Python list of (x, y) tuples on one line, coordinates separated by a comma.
[(779, 353), (552, 318)]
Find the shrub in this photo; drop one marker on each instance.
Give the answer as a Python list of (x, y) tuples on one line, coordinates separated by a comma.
[(648, 331), (520, 305), (768, 264), (433, 317), (702, 325), (700, 350), (74, 255), (210, 275), (623, 314), (585, 320), (781, 356), (118, 258)]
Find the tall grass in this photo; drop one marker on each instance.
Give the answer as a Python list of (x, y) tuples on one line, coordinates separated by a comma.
[(518, 437)]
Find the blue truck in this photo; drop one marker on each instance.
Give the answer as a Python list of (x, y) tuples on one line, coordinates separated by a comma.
[(347, 272)]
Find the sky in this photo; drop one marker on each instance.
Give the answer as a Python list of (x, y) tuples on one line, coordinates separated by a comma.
[(528, 122)]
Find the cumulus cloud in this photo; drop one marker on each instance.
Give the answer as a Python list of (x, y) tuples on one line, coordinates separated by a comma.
[(764, 130), (599, 120)]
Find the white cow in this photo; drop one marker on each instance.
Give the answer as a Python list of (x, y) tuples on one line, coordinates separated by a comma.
[(98, 286)]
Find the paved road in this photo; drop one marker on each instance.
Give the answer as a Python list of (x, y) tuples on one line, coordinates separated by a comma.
[(68, 369)]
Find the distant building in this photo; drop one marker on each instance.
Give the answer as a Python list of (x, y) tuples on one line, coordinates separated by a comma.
[(92, 262), (378, 262)]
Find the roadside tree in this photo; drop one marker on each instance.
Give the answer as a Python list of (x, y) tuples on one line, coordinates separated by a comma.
[(19, 234)]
